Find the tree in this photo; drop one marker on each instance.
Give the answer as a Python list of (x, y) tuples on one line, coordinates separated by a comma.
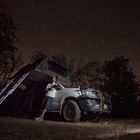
[(60, 59), (119, 77), (8, 59), (65, 61), (120, 82), (88, 75), (81, 74)]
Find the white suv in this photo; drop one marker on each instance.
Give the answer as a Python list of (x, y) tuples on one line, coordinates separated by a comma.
[(73, 103)]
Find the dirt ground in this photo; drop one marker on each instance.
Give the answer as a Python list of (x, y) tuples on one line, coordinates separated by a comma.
[(26, 129)]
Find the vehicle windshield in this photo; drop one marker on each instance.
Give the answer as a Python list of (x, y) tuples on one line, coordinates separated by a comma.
[(61, 85)]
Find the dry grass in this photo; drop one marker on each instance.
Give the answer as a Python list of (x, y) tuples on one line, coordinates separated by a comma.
[(24, 129)]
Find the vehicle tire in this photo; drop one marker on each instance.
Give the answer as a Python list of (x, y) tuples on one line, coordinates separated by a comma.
[(71, 111)]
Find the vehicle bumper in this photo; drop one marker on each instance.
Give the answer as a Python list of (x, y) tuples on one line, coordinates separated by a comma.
[(94, 105)]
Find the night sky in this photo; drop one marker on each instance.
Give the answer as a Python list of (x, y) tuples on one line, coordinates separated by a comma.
[(89, 29)]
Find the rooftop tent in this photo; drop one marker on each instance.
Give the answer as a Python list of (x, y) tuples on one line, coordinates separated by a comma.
[(29, 67), (43, 68), (50, 68), (39, 71)]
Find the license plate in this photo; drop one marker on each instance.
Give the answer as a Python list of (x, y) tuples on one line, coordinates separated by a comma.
[(105, 106)]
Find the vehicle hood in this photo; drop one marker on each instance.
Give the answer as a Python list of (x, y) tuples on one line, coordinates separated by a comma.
[(72, 91)]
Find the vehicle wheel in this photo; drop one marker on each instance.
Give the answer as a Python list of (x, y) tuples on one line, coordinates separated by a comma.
[(71, 111)]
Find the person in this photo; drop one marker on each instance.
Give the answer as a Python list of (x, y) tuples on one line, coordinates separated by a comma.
[(50, 95)]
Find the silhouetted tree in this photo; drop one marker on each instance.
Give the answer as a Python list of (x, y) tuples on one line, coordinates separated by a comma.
[(120, 82), (120, 79), (81, 73), (89, 75), (8, 60), (65, 61)]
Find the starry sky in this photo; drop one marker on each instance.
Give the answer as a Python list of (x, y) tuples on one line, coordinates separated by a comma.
[(87, 29)]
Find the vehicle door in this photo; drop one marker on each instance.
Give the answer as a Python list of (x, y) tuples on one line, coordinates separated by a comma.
[(56, 102)]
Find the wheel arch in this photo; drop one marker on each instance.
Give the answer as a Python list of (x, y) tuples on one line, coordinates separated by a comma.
[(67, 99)]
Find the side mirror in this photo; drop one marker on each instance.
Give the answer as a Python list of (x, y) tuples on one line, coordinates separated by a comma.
[(57, 87)]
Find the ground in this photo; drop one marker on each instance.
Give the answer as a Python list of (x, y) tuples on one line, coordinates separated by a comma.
[(27, 129)]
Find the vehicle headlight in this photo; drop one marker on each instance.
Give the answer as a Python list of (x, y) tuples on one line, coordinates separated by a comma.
[(89, 92)]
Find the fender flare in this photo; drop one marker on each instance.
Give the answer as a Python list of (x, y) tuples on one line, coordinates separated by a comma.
[(64, 100)]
